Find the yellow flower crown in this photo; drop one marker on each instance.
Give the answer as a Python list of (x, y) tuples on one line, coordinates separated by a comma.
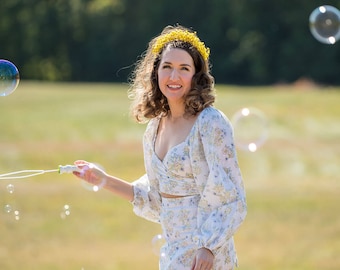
[(182, 35)]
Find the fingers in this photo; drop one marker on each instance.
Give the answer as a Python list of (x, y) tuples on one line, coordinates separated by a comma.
[(90, 173), (82, 163), (193, 264), (203, 260), (84, 167), (201, 267)]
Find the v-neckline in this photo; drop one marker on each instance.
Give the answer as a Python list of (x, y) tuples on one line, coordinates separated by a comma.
[(175, 146)]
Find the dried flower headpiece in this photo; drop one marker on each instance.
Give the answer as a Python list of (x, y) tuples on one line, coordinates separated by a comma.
[(181, 35)]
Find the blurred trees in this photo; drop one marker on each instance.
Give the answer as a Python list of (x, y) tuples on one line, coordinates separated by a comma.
[(251, 41)]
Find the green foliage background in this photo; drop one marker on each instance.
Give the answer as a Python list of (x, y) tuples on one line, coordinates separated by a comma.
[(252, 41)]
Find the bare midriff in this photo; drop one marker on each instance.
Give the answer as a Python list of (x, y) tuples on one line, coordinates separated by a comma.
[(169, 196)]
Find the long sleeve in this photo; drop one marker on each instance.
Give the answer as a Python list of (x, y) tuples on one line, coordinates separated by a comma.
[(147, 200), (222, 207), (146, 203)]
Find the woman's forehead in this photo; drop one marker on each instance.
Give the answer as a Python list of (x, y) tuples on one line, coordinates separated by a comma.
[(176, 55)]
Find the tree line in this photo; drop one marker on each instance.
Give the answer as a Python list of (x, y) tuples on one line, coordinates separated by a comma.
[(251, 41)]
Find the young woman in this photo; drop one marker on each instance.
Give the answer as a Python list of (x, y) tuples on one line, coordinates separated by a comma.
[(193, 185)]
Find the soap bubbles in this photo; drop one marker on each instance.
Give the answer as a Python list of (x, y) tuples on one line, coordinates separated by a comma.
[(324, 23), (9, 207), (90, 187), (157, 242), (65, 212), (16, 214), (250, 129), (10, 188), (9, 77)]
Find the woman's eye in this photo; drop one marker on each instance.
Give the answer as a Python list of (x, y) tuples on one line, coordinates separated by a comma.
[(166, 66)]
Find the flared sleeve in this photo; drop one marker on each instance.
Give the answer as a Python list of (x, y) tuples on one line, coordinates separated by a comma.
[(147, 200), (222, 207)]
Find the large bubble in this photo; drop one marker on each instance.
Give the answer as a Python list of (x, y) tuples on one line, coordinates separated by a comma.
[(9, 77), (324, 23), (250, 129)]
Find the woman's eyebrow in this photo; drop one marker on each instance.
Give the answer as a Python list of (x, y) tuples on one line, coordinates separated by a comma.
[(183, 64)]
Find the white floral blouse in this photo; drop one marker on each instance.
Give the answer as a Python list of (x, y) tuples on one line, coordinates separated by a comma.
[(205, 164)]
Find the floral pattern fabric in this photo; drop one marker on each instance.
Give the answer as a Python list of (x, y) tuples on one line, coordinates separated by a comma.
[(204, 166)]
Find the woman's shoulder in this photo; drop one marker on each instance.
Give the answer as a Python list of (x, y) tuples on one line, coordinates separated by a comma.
[(153, 122), (152, 126), (213, 114), (214, 121)]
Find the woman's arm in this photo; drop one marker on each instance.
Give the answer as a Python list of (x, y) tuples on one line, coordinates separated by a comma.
[(222, 207), (94, 175)]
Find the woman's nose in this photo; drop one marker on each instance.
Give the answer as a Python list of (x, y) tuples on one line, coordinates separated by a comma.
[(174, 74)]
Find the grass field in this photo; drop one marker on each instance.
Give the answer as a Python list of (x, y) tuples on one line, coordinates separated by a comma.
[(292, 182)]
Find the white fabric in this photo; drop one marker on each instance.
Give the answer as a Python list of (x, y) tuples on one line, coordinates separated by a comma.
[(204, 167)]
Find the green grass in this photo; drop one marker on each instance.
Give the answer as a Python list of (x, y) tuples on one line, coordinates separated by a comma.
[(292, 182)]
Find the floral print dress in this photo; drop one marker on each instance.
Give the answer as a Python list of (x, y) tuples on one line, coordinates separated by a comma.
[(203, 171)]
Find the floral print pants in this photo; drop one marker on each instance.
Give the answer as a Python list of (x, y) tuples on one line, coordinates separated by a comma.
[(179, 223)]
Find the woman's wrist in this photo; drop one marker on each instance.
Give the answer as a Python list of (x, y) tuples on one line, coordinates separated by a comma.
[(212, 253)]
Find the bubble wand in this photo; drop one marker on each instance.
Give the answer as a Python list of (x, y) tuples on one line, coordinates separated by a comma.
[(29, 173)]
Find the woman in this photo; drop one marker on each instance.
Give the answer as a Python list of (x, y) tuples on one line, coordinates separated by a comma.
[(192, 186)]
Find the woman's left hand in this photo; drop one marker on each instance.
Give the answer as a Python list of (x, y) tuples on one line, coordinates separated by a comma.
[(90, 172), (204, 260)]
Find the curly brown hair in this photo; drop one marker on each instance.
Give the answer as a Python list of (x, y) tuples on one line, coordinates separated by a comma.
[(148, 100)]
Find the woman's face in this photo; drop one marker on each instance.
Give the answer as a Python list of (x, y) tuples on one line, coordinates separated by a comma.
[(175, 73)]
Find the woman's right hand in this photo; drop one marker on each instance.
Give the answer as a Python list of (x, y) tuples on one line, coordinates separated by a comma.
[(90, 173)]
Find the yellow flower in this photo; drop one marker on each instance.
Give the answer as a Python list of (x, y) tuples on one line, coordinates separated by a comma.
[(181, 35)]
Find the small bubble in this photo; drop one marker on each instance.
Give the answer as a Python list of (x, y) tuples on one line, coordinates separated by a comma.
[(16, 215), (252, 147), (8, 208), (10, 188), (158, 242), (65, 211)]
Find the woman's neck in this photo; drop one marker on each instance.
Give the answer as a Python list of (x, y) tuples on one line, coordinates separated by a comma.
[(176, 112)]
